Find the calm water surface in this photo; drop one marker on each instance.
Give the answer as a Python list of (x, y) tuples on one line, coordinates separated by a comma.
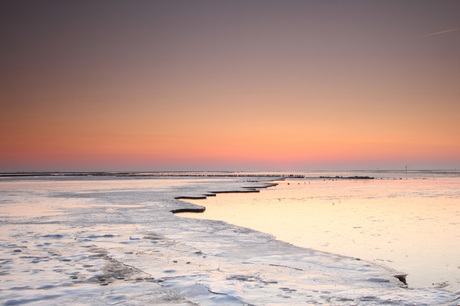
[(410, 224)]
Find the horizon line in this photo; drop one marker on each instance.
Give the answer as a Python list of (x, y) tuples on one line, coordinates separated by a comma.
[(218, 171)]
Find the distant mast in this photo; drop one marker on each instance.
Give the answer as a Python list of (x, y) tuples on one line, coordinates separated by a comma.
[(406, 169)]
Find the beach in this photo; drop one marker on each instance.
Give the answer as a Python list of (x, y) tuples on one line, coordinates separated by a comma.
[(113, 239)]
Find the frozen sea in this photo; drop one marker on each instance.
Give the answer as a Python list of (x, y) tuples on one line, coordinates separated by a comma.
[(112, 239)]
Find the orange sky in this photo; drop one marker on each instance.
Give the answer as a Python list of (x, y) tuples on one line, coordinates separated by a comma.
[(229, 86)]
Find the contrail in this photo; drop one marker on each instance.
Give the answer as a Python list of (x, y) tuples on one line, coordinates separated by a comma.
[(441, 32)]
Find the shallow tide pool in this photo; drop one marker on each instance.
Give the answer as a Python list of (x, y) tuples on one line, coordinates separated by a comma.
[(410, 224)]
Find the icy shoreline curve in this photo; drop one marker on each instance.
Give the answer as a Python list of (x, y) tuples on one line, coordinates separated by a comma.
[(103, 241)]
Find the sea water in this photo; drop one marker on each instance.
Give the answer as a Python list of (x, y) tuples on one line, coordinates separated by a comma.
[(409, 221)]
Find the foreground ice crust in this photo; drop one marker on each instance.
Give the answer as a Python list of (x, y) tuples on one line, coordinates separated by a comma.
[(124, 246)]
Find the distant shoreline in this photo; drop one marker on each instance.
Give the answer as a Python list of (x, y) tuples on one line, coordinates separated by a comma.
[(143, 174), (330, 174)]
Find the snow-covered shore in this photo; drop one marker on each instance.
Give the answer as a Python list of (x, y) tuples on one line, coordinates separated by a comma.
[(109, 240)]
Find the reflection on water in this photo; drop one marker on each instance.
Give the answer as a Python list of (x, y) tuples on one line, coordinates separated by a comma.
[(412, 225)]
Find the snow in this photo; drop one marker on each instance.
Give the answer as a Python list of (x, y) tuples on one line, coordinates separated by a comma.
[(104, 241)]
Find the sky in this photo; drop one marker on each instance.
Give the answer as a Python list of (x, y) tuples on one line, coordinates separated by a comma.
[(229, 85)]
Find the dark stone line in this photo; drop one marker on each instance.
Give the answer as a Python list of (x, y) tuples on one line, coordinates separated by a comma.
[(245, 189), (238, 191), (191, 197), (189, 210), (348, 177)]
